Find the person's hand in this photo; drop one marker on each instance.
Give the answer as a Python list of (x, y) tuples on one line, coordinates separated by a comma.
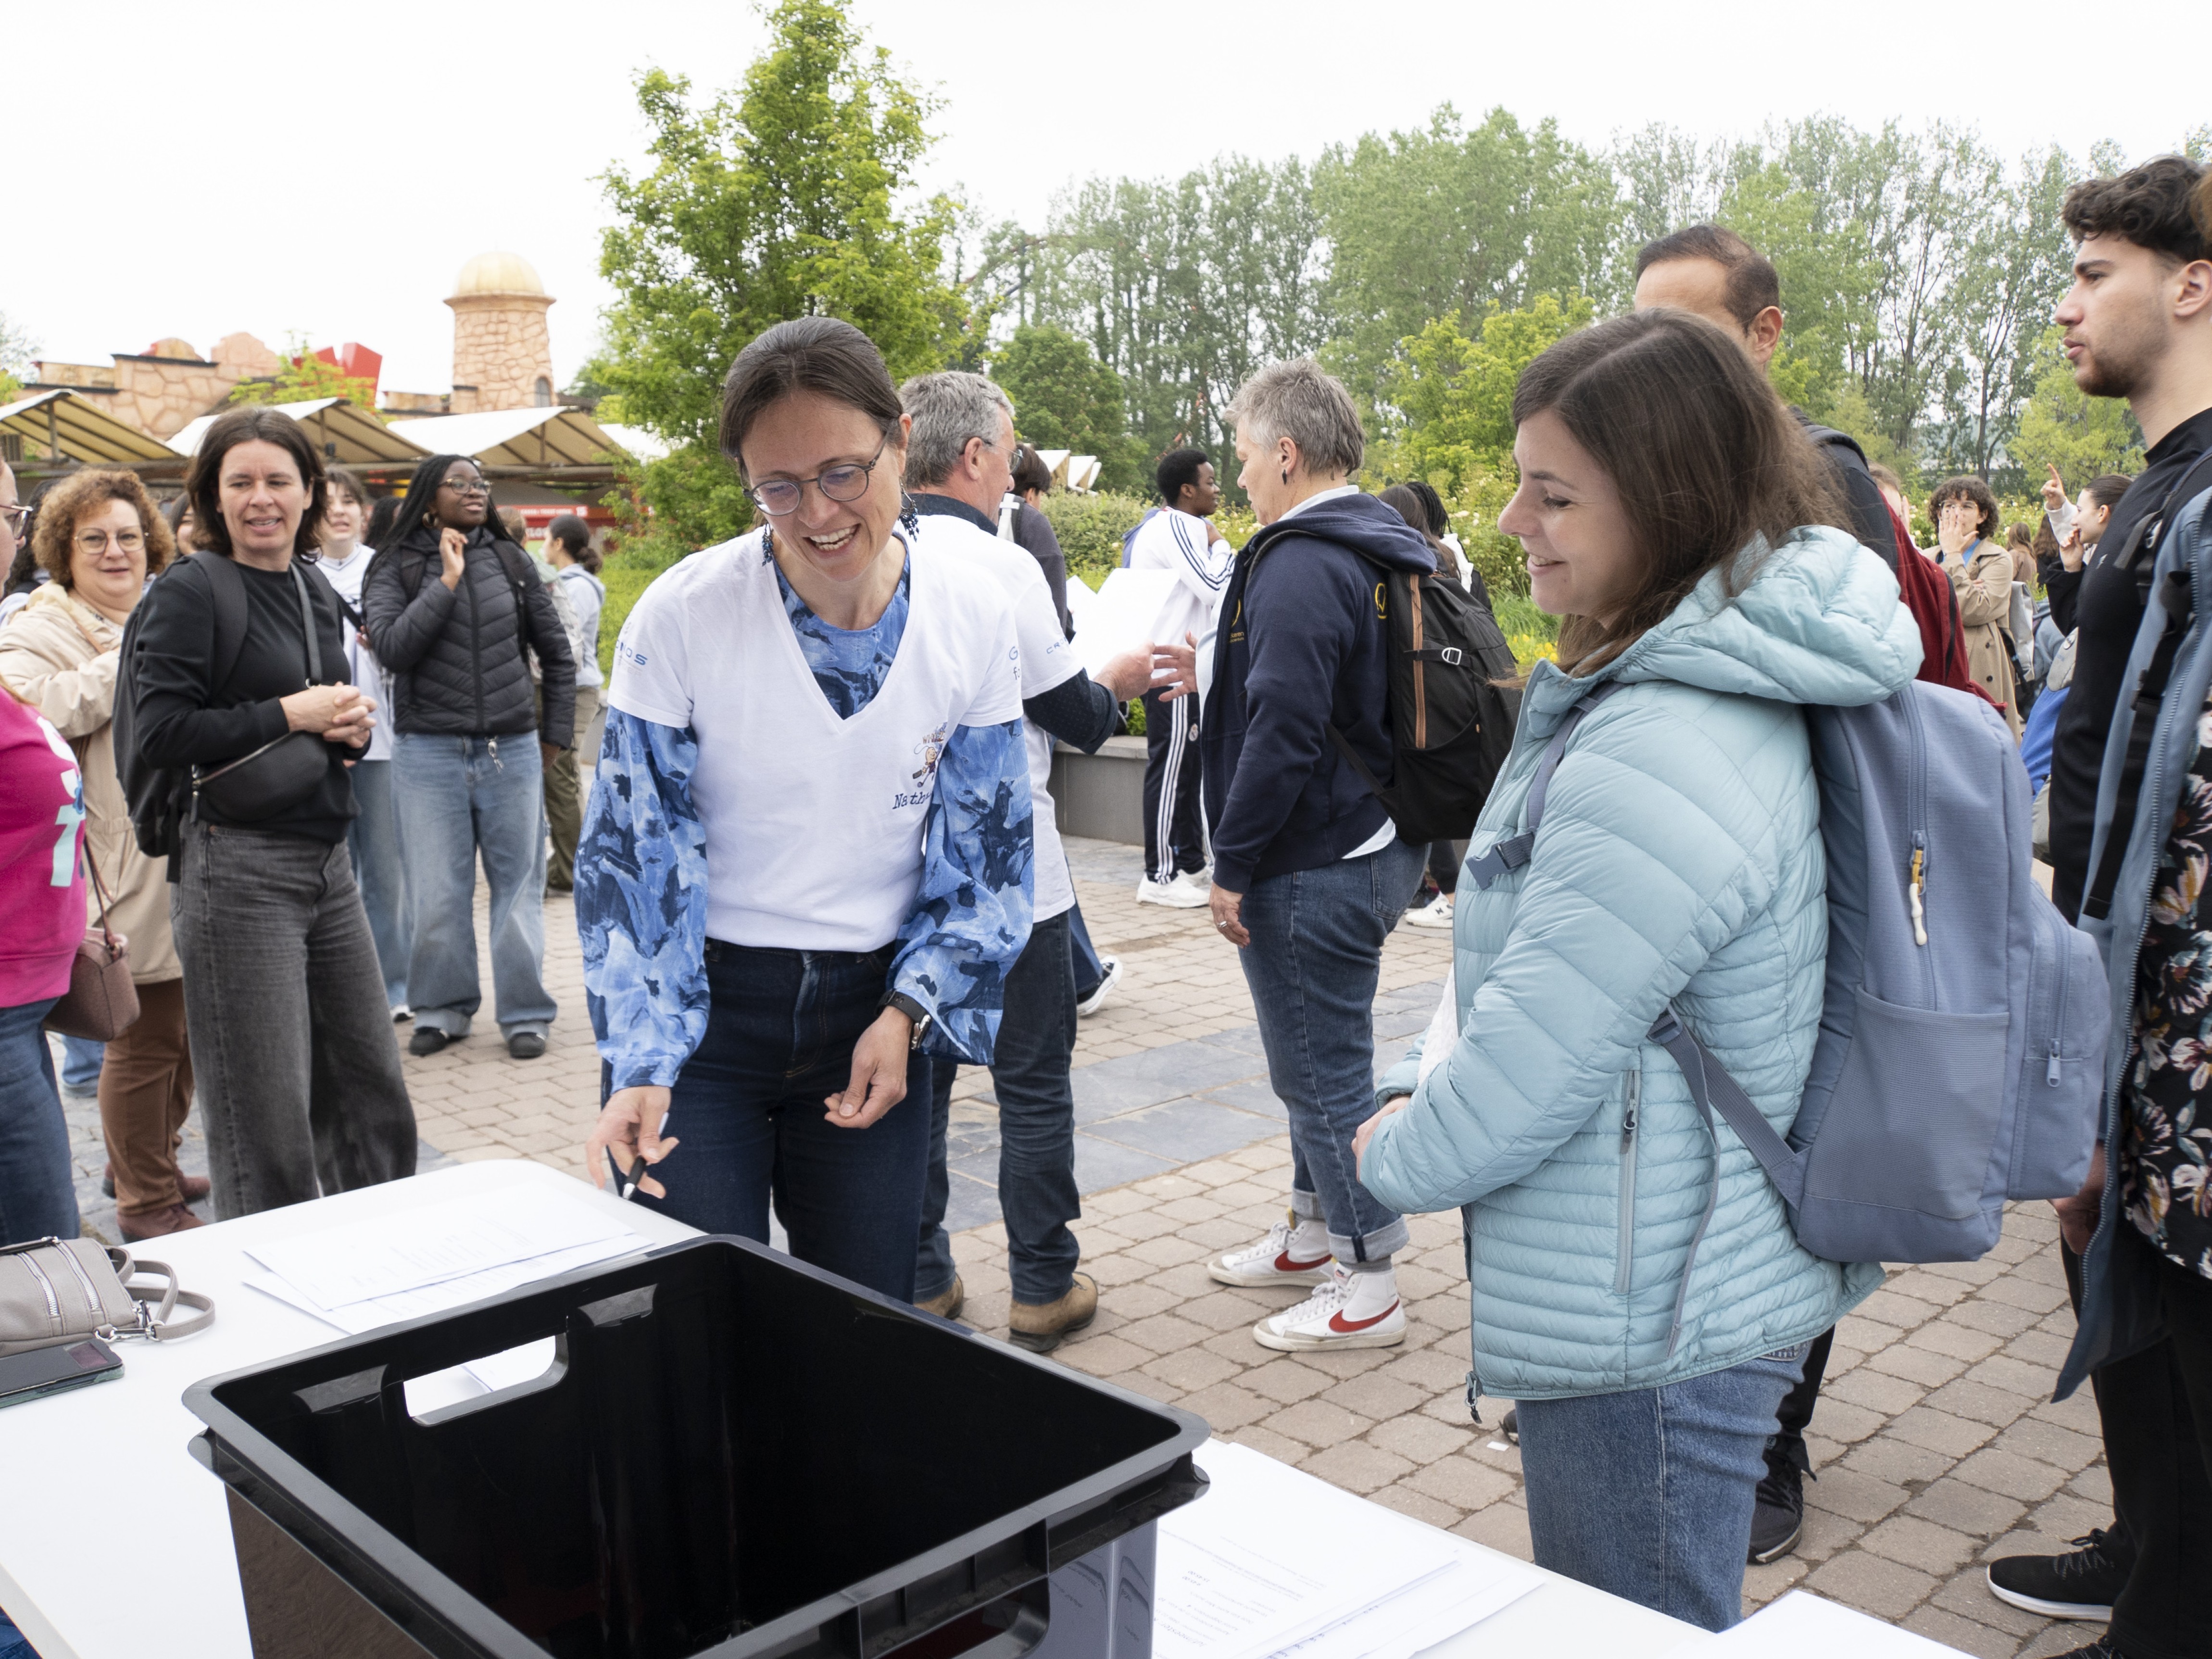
[(548, 752), (1954, 529), (1213, 534), (629, 1128), (1228, 910), (2078, 1215), (338, 714), (2054, 491), (1129, 675), (878, 1080), (2070, 551), (454, 548), (1180, 661), (1365, 1132)]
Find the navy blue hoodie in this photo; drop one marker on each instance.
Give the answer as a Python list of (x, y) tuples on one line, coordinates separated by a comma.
[(1300, 647)]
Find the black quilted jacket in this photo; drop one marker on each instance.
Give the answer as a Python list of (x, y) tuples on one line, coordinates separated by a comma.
[(456, 655)]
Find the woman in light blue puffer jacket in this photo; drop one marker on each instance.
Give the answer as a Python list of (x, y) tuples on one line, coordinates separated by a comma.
[(1675, 515)]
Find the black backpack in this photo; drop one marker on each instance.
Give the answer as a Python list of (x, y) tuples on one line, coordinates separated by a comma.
[(159, 796), (1451, 723)]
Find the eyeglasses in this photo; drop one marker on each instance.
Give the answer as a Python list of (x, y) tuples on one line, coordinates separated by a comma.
[(470, 486), (94, 542), (780, 496), (17, 517)]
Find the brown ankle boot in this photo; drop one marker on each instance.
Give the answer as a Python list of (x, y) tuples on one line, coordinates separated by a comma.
[(136, 1229), (194, 1187), (947, 1303), (1039, 1326)]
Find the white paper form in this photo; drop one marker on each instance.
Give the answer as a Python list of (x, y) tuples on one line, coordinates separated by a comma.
[(1800, 1625), (1443, 1029), (1272, 1562), (343, 1265), (1124, 615)]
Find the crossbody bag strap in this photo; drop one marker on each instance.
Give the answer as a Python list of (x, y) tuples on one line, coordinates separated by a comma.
[(1515, 851), (157, 1305), (307, 626)]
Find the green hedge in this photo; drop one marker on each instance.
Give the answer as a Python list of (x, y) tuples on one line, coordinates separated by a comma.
[(1090, 528)]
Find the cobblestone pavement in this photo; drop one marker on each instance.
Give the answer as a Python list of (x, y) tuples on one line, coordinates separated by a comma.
[(1935, 1445)]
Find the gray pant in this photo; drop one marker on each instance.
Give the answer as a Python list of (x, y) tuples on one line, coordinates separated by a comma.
[(292, 1045)]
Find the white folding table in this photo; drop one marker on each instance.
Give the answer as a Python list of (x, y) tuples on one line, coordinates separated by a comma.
[(115, 1544)]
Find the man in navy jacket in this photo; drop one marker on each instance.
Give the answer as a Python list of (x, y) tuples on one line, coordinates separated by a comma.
[(1309, 873)]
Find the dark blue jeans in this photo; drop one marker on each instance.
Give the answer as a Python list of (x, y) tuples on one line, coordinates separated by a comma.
[(748, 1107), (1313, 965), (1036, 1130), (38, 1189), (379, 871)]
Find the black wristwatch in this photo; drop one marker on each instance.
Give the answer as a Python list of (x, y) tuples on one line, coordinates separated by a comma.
[(922, 1018)]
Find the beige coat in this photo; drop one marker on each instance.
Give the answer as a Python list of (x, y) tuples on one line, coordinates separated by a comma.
[(62, 655), (1984, 585)]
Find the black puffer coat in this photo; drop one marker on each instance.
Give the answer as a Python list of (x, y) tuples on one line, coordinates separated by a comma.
[(456, 654)]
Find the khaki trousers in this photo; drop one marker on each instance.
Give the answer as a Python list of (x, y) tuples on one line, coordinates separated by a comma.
[(564, 804), (145, 1093)]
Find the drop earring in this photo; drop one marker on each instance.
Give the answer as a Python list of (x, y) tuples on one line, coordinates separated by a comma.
[(1286, 475)]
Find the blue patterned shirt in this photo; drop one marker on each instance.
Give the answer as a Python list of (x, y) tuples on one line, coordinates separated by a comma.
[(642, 870)]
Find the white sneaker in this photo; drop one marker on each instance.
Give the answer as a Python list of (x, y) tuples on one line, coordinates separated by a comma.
[(1107, 982), (1189, 890), (401, 1014), (1436, 913), (1352, 1310), (1294, 1252)]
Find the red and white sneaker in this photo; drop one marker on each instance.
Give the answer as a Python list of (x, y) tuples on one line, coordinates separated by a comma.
[(1352, 1310), (1294, 1252)]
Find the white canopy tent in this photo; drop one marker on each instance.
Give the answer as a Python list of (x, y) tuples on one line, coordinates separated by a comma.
[(537, 439), (346, 433)]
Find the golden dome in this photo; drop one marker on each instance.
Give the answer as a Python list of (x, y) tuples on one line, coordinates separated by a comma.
[(497, 273)]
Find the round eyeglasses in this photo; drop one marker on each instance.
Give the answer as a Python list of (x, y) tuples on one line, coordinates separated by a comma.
[(780, 497)]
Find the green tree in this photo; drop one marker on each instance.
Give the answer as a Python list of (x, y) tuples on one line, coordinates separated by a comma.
[(2063, 425), (304, 376), (779, 198), (1064, 399)]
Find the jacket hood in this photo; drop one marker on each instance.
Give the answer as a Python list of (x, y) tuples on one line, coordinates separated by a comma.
[(1819, 622), (1361, 522)]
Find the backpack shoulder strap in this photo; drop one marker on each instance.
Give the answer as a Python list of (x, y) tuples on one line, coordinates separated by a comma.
[(1515, 850), (1828, 438), (229, 588)]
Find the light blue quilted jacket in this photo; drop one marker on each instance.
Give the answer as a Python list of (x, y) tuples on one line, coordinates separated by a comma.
[(1679, 858)]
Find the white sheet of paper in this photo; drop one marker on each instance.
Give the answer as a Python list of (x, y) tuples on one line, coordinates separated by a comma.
[(1443, 1029), (1123, 615), (1802, 1625), (342, 1265)]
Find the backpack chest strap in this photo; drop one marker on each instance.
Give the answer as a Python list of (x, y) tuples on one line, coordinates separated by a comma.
[(1515, 851)]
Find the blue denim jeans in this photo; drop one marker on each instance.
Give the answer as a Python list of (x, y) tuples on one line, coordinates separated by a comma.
[(381, 872), (1648, 1494), (1036, 1130), (457, 797), (38, 1188), (81, 1059), (748, 1107), (1313, 965)]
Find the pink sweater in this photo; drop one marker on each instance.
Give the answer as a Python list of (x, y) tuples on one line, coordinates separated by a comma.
[(41, 887)]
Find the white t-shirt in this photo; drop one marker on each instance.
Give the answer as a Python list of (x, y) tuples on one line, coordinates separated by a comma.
[(813, 823), (1047, 660), (360, 662), (1178, 541)]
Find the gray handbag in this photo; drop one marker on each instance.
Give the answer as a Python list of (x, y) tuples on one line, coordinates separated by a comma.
[(54, 1291)]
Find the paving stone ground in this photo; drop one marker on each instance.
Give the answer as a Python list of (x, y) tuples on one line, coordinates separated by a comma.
[(1935, 1444)]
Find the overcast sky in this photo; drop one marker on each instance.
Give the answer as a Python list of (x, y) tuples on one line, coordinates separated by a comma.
[(324, 171)]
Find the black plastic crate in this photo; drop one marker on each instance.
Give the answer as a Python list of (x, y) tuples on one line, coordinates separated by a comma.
[(734, 1454)]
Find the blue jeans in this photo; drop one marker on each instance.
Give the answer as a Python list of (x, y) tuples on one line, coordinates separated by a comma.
[(748, 1107), (380, 872), (81, 1059), (457, 797), (1647, 1494), (1313, 965), (1036, 1130), (38, 1188)]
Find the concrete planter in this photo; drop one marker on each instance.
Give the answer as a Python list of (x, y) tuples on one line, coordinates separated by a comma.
[(1101, 795)]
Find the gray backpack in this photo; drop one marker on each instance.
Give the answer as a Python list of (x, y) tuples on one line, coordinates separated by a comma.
[(1961, 1052)]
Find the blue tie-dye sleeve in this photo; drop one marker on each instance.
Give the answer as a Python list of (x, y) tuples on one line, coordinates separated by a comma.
[(641, 902), (971, 917)]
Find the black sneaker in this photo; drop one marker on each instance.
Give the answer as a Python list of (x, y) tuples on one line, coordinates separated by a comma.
[(1777, 1515), (427, 1040), (2102, 1647), (1510, 1424), (2079, 1584), (525, 1045)]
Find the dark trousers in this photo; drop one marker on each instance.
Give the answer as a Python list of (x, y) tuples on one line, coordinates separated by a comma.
[(1036, 1130), (38, 1190), (292, 1041), (2157, 1412), (749, 1108), (1445, 858), (1174, 843), (1796, 1409), (145, 1095)]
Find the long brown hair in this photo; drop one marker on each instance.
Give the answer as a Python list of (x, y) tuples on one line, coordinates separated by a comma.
[(253, 423), (1706, 458)]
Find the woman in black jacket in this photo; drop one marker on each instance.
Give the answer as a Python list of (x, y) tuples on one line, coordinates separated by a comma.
[(453, 610), (239, 650)]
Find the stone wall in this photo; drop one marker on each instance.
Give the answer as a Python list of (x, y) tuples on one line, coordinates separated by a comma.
[(501, 350), (161, 396)]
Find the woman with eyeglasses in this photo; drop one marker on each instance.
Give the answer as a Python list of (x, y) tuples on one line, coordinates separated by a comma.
[(455, 611), (805, 863)]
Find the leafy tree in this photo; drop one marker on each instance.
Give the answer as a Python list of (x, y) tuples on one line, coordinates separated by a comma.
[(2064, 426), (777, 199), (1064, 399), (304, 376)]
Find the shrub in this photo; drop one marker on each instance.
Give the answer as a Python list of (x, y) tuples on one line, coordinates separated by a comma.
[(1090, 528)]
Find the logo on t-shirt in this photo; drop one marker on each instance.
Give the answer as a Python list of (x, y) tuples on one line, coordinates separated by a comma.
[(931, 750)]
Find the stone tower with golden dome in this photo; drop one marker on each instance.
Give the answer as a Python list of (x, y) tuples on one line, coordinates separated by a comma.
[(503, 355)]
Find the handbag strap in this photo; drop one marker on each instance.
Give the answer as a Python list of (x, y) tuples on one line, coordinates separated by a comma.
[(307, 626), (157, 1326), (92, 868)]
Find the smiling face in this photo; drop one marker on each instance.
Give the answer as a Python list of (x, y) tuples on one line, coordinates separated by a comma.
[(1581, 555), (263, 499), (1202, 496), (798, 438), (107, 557), (2116, 315), (464, 499)]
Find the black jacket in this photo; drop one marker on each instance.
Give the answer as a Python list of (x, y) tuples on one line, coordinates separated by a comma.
[(456, 654)]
